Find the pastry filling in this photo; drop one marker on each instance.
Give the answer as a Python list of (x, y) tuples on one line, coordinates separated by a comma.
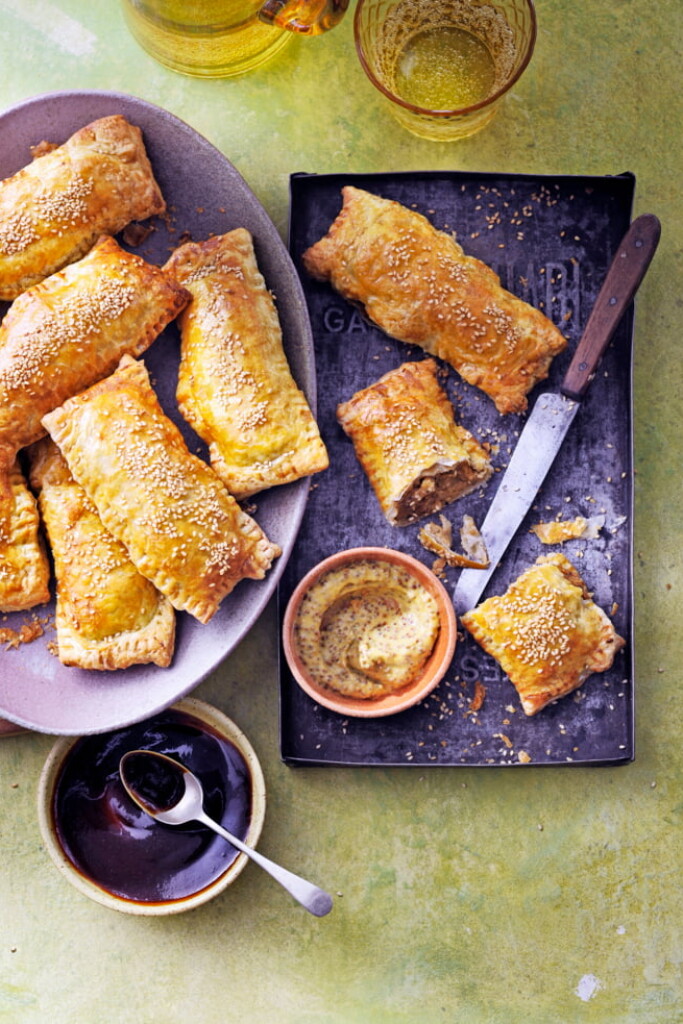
[(434, 489)]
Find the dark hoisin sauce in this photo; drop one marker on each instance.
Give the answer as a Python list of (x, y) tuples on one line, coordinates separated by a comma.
[(115, 844)]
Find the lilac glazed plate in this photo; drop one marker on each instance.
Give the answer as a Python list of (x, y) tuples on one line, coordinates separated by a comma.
[(205, 195)]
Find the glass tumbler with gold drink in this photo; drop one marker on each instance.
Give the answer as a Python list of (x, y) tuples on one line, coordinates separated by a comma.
[(444, 65), (223, 38)]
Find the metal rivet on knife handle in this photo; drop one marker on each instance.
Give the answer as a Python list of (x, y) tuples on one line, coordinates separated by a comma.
[(625, 274)]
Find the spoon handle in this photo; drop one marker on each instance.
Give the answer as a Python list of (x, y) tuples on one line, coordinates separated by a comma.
[(314, 899)]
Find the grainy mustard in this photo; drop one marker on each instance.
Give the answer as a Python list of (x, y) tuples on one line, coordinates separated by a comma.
[(366, 629)]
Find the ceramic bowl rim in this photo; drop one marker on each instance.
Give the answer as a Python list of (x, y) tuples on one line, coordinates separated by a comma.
[(437, 664), (209, 715)]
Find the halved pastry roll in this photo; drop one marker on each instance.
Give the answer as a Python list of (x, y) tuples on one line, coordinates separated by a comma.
[(415, 455), (24, 567), (70, 330), (55, 208), (182, 529), (545, 632), (108, 616), (418, 285), (235, 387)]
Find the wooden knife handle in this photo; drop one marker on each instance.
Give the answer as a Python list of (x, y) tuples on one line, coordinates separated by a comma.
[(621, 283)]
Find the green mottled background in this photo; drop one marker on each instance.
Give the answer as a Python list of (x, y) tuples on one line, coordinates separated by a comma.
[(478, 896)]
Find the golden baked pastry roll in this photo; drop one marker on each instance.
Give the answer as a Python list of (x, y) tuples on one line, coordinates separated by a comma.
[(24, 566), (69, 331), (181, 527), (545, 632), (417, 284), (235, 387), (54, 209), (416, 457), (107, 616)]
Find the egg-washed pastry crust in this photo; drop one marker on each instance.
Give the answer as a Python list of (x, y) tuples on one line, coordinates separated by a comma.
[(24, 566), (54, 209), (416, 457), (417, 284), (235, 387), (181, 527), (107, 615), (545, 632), (71, 330)]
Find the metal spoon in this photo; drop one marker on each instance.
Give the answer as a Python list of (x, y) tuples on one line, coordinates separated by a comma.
[(168, 791)]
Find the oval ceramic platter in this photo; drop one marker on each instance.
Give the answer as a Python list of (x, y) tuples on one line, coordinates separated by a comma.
[(205, 195)]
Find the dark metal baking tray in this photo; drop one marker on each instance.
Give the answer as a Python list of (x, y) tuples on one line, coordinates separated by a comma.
[(551, 239)]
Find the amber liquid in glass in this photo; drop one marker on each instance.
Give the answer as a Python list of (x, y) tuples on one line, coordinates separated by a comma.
[(444, 69), (445, 56), (207, 38), (220, 38)]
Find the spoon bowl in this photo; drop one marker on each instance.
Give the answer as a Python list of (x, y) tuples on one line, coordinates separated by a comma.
[(169, 792)]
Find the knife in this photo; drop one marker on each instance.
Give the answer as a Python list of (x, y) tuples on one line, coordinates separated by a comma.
[(553, 413)]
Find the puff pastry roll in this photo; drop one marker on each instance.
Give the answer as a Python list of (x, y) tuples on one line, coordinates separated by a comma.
[(181, 527), (417, 284), (69, 331), (235, 387), (54, 209), (24, 567), (416, 457), (107, 615), (545, 632)]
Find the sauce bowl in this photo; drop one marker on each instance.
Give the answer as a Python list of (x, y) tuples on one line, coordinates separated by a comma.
[(431, 673), (119, 856)]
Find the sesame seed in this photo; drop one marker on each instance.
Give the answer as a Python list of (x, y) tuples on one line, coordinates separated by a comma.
[(36, 344), (51, 211)]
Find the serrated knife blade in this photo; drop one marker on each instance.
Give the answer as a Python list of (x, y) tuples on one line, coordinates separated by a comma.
[(554, 413)]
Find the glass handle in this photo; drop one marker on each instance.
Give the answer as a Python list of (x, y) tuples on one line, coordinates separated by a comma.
[(308, 17)]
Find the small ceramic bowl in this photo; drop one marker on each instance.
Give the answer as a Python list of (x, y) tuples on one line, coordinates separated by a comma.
[(119, 856), (434, 669)]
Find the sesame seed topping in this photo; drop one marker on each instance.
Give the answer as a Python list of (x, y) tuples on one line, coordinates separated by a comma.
[(17, 232), (52, 331), (52, 211), (541, 625)]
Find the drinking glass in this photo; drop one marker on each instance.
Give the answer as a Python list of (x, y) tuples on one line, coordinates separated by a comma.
[(444, 66)]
